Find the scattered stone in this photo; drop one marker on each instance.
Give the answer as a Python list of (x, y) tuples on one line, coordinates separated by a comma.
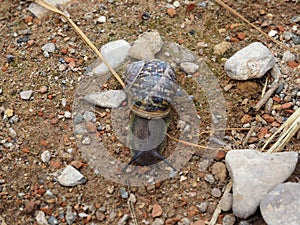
[(132, 198), (176, 4), (49, 47), (226, 202), (282, 205), (12, 133), (86, 141), (250, 62), (288, 56), (156, 210), (70, 216), (53, 221), (26, 95), (41, 218), (107, 99), (46, 156), (254, 174), (115, 53), (43, 89), (101, 19), (209, 178), (295, 19), (203, 207), (273, 33), (189, 67), (68, 114), (216, 192), (222, 47), (171, 12), (30, 207), (219, 171), (146, 46), (10, 58), (70, 177), (296, 39), (124, 194), (229, 219)]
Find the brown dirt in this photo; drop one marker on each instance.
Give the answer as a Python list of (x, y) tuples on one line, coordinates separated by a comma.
[(26, 178)]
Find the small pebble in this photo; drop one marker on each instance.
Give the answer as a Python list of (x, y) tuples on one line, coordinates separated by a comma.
[(203, 165), (210, 178), (226, 202), (68, 115), (53, 221), (124, 194), (10, 58), (46, 156), (156, 210), (272, 33), (216, 192), (26, 95), (70, 216), (49, 47), (202, 207), (41, 218), (123, 220), (229, 219), (176, 4), (101, 19), (89, 116)]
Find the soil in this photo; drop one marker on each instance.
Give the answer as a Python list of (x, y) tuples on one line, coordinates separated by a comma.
[(42, 126)]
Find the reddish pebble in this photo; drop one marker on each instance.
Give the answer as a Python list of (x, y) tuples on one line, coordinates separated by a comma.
[(54, 121), (156, 210), (69, 59), (293, 64), (220, 155), (4, 68), (77, 164), (275, 124), (280, 28), (41, 191), (50, 97), (43, 89), (190, 7), (246, 119), (268, 118), (37, 21), (172, 221), (171, 12), (91, 127), (64, 51), (180, 41), (289, 111), (46, 210), (30, 207), (30, 43), (44, 143), (277, 99), (25, 150), (40, 113), (234, 39), (234, 25), (55, 164), (28, 19), (241, 35), (287, 105)]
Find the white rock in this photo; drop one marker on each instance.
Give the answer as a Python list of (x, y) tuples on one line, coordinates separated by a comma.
[(68, 115), (49, 47), (282, 205), (26, 95), (254, 174), (107, 99), (176, 4), (40, 11), (70, 177), (46, 156), (288, 56), (101, 19), (146, 46), (115, 53), (250, 62), (273, 33), (189, 67), (41, 218)]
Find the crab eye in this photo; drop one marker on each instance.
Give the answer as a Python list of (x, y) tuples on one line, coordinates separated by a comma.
[(157, 100)]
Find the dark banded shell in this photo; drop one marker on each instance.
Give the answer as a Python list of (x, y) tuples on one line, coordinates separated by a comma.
[(150, 86)]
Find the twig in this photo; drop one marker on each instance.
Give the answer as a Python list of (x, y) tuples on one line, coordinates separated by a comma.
[(249, 135), (83, 36), (255, 27), (266, 96), (218, 209), (290, 127)]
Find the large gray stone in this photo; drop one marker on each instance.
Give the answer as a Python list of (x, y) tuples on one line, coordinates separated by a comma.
[(70, 177), (282, 205), (254, 174), (250, 62), (107, 99), (115, 53), (146, 46)]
